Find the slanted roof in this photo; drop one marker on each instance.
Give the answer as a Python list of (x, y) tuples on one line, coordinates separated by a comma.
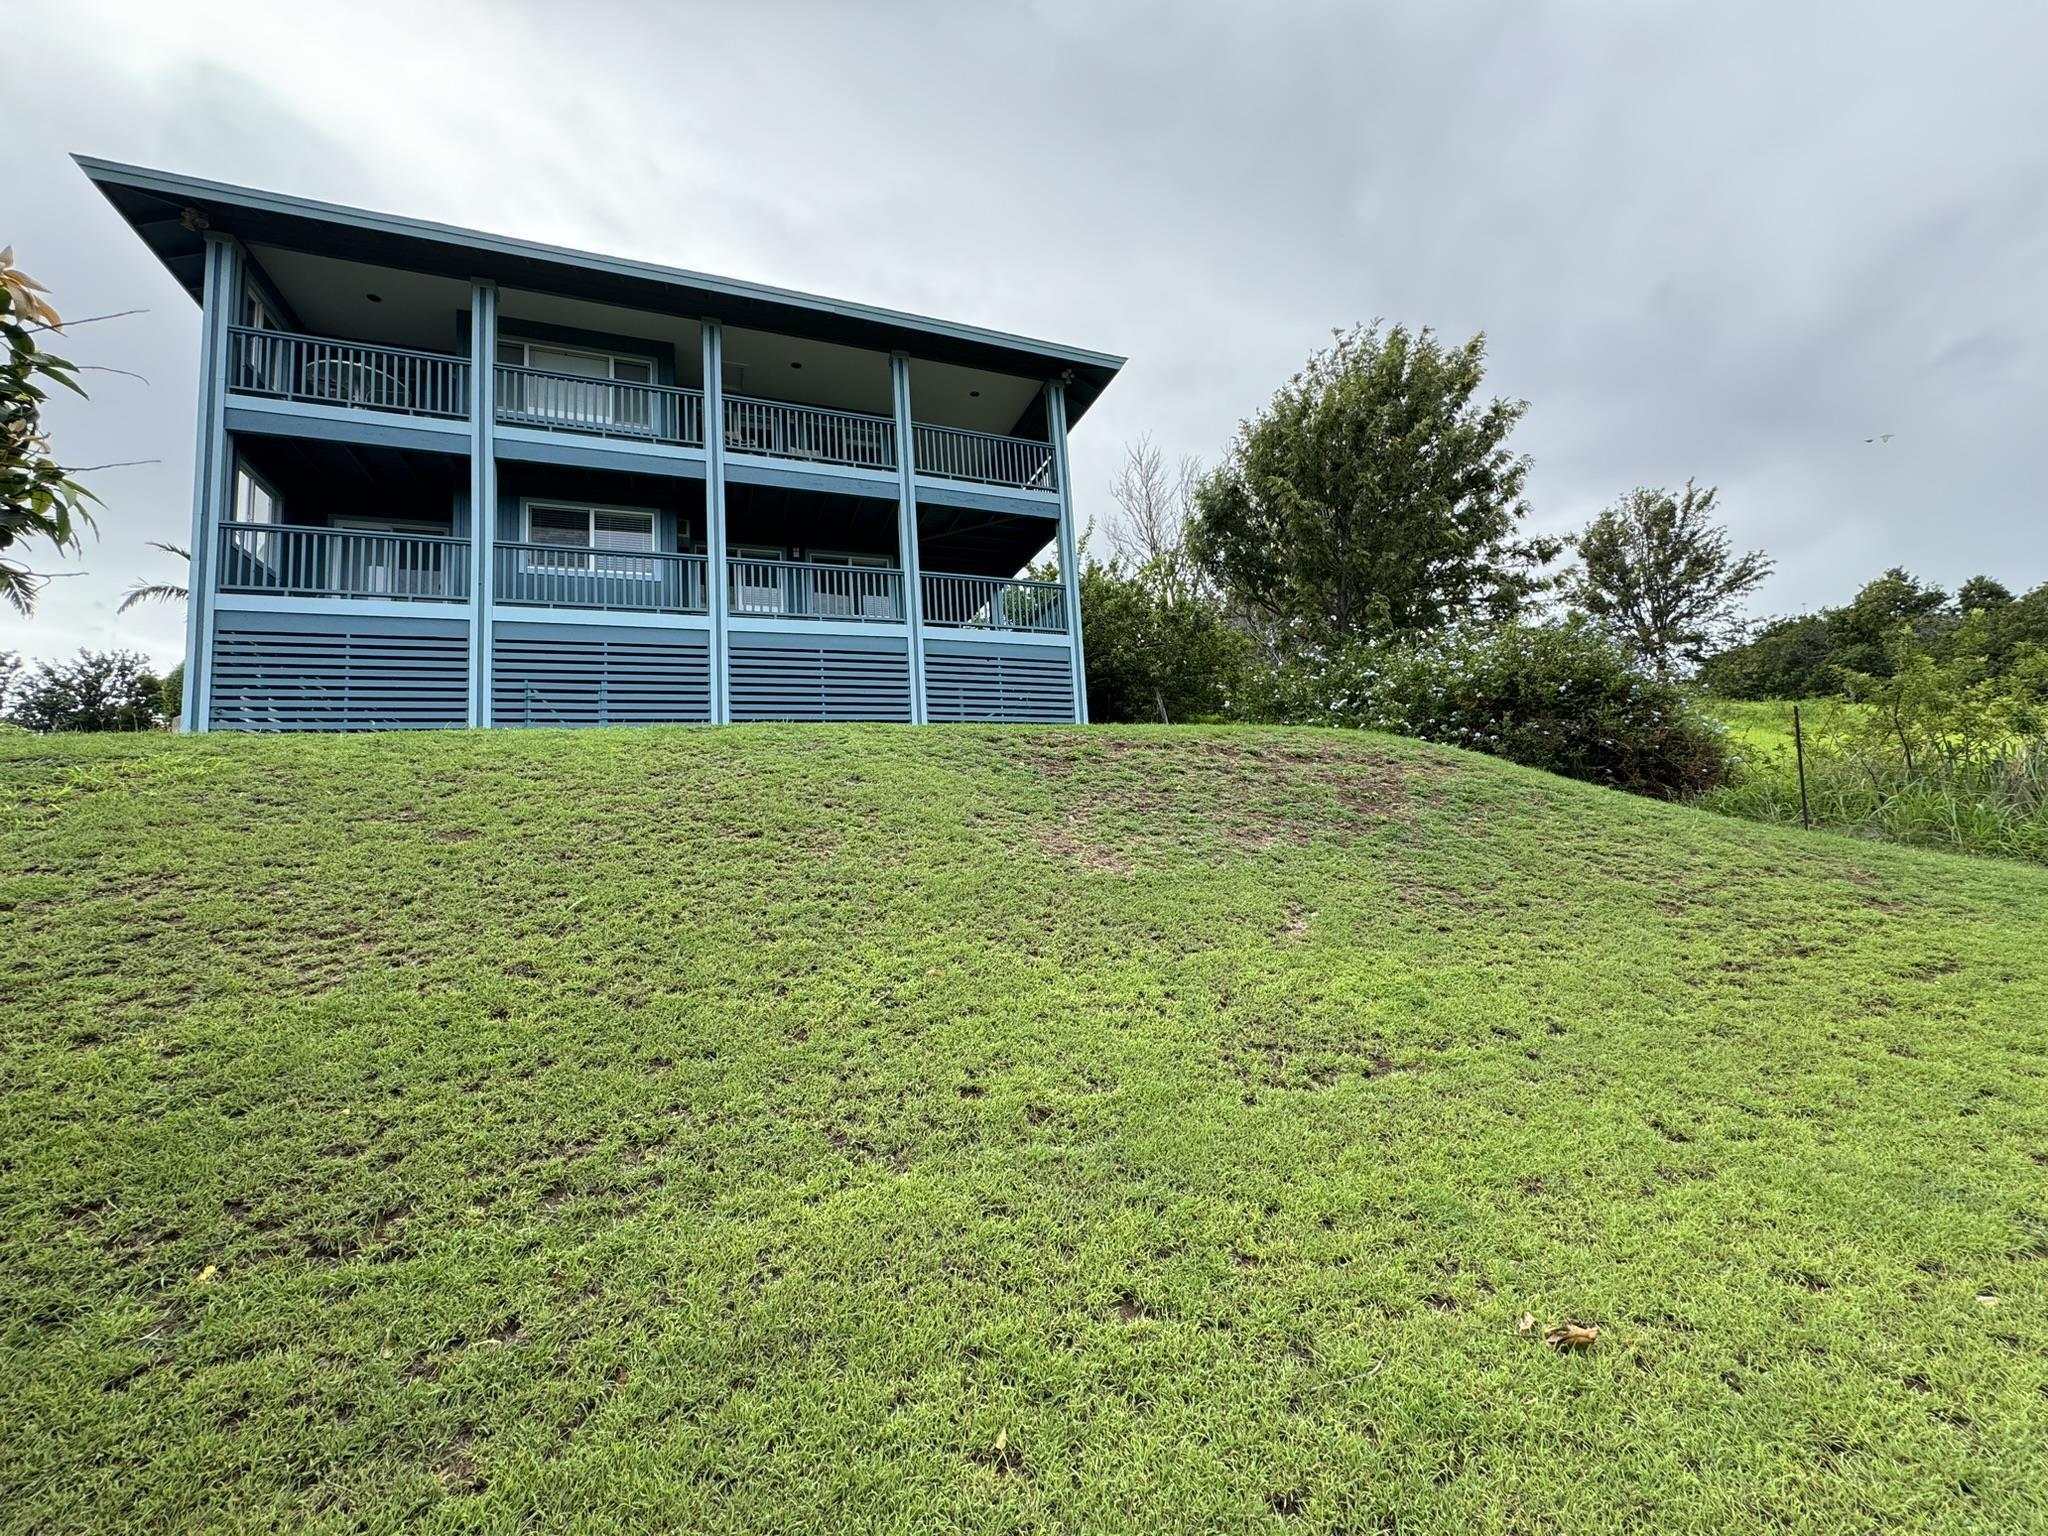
[(155, 204)]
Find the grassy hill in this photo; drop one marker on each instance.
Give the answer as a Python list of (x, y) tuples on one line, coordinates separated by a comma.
[(996, 1130)]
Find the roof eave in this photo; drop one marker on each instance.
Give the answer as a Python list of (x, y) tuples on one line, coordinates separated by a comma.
[(558, 268)]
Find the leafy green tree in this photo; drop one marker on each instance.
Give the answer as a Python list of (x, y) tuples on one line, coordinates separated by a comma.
[(1936, 708), (171, 695), (1982, 592), (1375, 494), (38, 497), (1788, 658), (1862, 635), (1157, 649), (99, 691), (1659, 572), (2014, 627)]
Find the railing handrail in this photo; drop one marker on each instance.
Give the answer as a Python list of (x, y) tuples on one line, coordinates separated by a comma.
[(342, 341), (589, 549), (818, 565), (1001, 581), (346, 533), (993, 437), (814, 410), (584, 378)]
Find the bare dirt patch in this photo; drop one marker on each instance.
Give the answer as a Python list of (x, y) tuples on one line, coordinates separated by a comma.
[(1122, 799)]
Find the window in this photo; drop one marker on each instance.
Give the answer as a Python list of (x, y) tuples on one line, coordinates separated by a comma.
[(613, 535), (255, 313), (254, 502), (846, 589), (757, 578), (573, 387)]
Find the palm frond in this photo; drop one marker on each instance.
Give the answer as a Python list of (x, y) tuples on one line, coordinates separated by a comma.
[(152, 592)]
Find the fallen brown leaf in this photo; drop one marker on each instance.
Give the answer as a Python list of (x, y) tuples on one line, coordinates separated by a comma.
[(1571, 1336), (1525, 1322)]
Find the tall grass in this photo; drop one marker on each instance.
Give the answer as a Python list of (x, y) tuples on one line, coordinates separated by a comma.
[(1991, 800)]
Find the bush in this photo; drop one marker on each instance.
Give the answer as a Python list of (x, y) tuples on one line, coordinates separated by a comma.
[(100, 691), (171, 693), (1155, 651), (1562, 696)]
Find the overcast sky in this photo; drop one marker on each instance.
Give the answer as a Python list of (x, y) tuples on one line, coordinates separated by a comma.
[(1722, 240)]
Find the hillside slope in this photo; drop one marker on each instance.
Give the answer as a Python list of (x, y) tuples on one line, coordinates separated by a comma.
[(1121, 1130)]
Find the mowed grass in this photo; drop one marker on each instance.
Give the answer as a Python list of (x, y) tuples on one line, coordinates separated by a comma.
[(857, 1129)]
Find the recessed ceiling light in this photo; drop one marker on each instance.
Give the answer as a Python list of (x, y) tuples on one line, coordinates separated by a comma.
[(374, 298)]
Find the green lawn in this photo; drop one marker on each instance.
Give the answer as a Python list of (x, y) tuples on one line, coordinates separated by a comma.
[(1764, 726), (820, 1129)]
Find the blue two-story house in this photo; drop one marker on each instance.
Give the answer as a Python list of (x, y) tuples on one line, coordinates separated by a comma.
[(447, 478)]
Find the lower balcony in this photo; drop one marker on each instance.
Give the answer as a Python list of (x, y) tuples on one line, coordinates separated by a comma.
[(280, 560), (285, 561), (550, 576)]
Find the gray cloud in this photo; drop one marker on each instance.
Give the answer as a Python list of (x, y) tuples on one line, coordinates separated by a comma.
[(1729, 241)]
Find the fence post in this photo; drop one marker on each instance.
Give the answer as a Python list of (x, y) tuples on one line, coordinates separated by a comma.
[(1799, 753)]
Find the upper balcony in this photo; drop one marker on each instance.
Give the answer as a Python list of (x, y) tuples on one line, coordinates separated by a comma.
[(320, 345), (332, 372)]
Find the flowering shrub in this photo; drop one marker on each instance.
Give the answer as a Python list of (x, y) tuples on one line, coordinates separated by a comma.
[(1557, 696)]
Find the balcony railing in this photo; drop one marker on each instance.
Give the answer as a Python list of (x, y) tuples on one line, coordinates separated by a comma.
[(791, 589), (987, 602), (285, 366), (565, 402), (552, 576), (284, 561), (807, 432), (986, 458)]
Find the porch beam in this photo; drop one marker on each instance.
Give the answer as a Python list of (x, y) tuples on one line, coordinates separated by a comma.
[(213, 473), (1070, 559), (906, 530), (717, 574), (483, 489)]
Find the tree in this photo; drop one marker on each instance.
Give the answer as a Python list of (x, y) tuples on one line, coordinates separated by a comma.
[(1864, 635), (158, 591), (1375, 494), (1155, 653), (1660, 573), (1982, 592), (1154, 509), (1787, 658), (170, 693), (100, 691), (38, 498)]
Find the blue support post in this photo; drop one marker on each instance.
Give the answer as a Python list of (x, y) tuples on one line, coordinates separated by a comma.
[(1070, 556), (483, 490), (212, 474), (906, 530), (717, 571)]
